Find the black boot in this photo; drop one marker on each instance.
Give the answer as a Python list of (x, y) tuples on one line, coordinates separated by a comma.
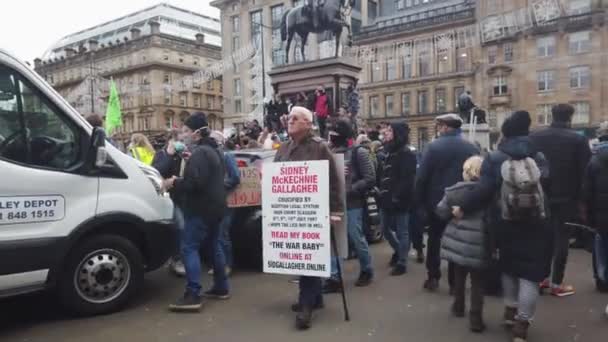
[(332, 286), (297, 307), (365, 278), (509, 316), (394, 260), (431, 284), (304, 318), (420, 256), (476, 322), (458, 309), (399, 270)]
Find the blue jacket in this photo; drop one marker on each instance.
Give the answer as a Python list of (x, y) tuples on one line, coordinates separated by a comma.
[(232, 179), (441, 167)]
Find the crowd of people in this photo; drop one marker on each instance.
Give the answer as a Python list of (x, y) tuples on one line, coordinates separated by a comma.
[(503, 218)]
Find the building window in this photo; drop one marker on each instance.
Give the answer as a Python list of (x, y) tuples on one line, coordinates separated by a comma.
[(423, 138), (492, 53), (391, 70), (579, 42), (256, 26), (424, 65), (500, 85), (405, 103), (167, 97), (400, 4), (579, 7), (461, 60), (373, 106), (236, 27), (492, 6), (582, 115), (376, 72), (236, 43), (237, 87), (580, 77), (457, 92), (238, 107), (166, 56), (423, 101), (406, 72), (167, 79), (546, 80), (278, 53), (388, 105), (183, 100), (197, 100), (440, 100), (210, 85), (196, 61), (543, 114), (508, 51), (210, 101), (442, 62), (545, 46)]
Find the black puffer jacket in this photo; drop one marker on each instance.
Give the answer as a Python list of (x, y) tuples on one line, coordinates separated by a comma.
[(201, 191), (568, 154), (595, 188), (397, 172)]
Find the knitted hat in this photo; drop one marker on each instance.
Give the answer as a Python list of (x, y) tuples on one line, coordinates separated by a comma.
[(196, 121), (518, 124)]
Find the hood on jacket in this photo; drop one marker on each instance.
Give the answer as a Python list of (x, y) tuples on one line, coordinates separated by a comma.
[(458, 192), (518, 147), (601, 151), (401, 134)]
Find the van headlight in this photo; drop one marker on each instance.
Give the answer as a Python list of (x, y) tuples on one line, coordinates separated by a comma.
[(154, 177)]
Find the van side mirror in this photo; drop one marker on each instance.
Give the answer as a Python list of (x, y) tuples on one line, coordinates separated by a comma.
[(97, 151)]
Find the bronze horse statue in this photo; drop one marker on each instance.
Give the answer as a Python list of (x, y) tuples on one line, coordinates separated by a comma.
[(327, 15)]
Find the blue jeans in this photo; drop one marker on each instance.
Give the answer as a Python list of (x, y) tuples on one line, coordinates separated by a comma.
[(396, 232), (225, 242), (354, 226), (600, 257), (196, 234)]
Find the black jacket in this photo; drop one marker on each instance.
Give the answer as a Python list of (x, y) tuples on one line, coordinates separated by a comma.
[(167, 165), (595, 188), (441, 167), (397, 173), (201, 191), (524, 246), (568, 154)]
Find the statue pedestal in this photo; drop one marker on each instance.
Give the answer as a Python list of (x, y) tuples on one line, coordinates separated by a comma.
[(480, 134), (334, 74)]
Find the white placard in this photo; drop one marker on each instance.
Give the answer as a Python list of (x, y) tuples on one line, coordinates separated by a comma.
[(31, 209), (296, 226)]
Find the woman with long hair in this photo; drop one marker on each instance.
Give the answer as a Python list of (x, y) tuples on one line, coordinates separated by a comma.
[(141, 149)]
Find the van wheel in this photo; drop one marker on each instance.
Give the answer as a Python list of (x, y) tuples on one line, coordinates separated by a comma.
[(101, 275)]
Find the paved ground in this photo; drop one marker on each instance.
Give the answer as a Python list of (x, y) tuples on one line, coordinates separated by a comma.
[(392, 309)]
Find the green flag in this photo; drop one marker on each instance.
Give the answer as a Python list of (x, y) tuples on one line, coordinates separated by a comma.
[(113, 113)]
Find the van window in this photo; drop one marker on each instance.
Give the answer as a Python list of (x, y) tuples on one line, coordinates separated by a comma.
[(31, 129)]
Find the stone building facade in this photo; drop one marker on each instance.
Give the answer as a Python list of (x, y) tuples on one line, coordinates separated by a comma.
[(148, 58)]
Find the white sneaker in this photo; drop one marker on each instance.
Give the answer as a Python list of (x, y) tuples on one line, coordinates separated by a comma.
[(178, 268)]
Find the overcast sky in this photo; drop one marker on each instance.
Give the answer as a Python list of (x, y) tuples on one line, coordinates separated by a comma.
[(29, 27)]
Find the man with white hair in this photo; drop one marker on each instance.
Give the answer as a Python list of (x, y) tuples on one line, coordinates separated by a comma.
[(302, 146)]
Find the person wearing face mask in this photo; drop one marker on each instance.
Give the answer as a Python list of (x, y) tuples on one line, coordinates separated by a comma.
[(360, 178), (202, 196), (169, 163)]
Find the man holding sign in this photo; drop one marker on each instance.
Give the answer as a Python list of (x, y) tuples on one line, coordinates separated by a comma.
[(303, 146)]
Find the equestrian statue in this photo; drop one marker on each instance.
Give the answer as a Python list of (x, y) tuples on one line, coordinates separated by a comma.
[(315, 16)]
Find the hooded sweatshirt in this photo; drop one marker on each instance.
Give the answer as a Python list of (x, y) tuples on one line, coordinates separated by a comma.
[(398, 172)]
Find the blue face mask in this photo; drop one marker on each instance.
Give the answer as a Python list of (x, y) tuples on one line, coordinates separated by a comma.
[(179, 146)]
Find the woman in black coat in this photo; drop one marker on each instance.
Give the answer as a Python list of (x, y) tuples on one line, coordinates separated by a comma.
[(524, 246)]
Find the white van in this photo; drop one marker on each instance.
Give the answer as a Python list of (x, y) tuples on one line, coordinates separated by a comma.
[(76, 215)]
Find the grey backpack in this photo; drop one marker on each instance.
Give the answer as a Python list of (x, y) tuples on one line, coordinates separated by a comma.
[(521, 193)]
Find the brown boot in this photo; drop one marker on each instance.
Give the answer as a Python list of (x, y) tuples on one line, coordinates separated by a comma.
[(509, 316), (520, 331), (476, 322)]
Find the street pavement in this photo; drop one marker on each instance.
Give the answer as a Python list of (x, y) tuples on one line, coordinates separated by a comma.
[(391, 309)]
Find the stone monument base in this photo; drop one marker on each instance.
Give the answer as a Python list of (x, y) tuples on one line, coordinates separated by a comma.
[(480, 134)]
